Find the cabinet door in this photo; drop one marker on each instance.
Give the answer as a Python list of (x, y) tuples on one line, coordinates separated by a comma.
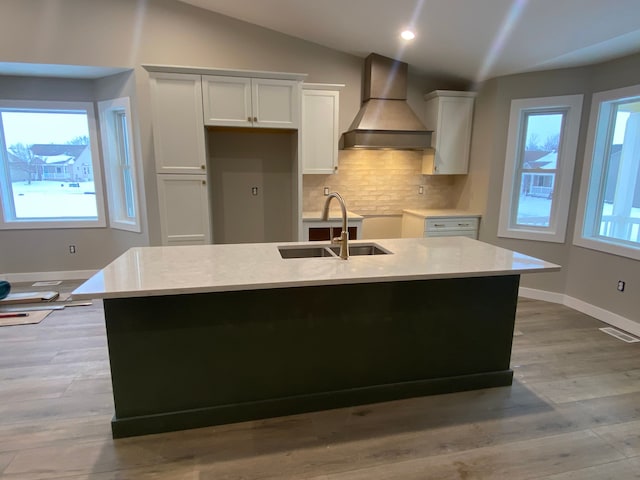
[(227, 101), (184, 209), (178, 129), (319, 131), (276, 103), (454, 127), (449, 115), (317, 234)]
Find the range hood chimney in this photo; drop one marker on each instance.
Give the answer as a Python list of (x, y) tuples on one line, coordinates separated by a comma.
[(385, 120)]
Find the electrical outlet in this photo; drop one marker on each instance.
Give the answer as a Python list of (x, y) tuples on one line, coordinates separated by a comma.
[(326, 191), (621, 286), (420, 190), (72, 249)]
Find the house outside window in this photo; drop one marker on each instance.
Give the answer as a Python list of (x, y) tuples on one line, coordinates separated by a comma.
[(609, 206), (540, 157), (48, 159)]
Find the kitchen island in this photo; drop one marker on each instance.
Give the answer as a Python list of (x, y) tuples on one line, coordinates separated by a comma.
[(203, 335)]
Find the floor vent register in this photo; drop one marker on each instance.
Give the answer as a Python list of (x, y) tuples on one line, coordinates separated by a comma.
[(625, 337)]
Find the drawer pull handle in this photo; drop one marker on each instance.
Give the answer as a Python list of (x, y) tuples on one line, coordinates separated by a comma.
[(439, 225), (463, 224)]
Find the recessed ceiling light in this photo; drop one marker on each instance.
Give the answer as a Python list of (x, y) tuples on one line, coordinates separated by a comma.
[(408, 35)]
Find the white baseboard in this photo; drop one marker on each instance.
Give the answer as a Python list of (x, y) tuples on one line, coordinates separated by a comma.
[(535, 294), (47, 276), (606, 316), (601, 314)]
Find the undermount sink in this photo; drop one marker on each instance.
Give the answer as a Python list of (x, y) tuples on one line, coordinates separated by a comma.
[(362, 249), (304, 252), (297, 251)]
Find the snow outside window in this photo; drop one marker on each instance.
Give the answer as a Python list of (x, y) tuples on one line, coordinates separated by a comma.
[(541, 151), (49, 170), (609, 206), (120, 164)]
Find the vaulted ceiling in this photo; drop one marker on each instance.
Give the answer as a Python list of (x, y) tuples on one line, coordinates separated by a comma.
[(467, 39)]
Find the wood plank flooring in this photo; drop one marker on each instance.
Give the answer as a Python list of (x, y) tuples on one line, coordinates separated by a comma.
[(573, 412)]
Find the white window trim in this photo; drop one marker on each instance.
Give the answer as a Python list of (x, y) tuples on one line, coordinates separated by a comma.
[(600, 244), (115, 195), (556, 231), (47, 223)]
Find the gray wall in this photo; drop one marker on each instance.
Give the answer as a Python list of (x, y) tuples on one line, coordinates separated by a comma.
[(587, 275), (239, 161), (47, 250), (128, 34)]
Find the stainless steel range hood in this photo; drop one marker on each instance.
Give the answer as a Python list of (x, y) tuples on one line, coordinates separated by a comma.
[(385, 120)]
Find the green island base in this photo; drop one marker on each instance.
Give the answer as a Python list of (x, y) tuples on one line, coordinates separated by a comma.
[(195, 360)]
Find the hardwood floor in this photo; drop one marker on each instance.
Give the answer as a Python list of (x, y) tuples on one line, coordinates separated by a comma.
[(573, 412)]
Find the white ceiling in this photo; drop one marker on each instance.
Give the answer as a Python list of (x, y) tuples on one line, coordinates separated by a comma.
[(468, 39)]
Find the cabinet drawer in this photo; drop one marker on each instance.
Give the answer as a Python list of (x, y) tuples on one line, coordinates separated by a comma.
[(460, 223), (452, 233)]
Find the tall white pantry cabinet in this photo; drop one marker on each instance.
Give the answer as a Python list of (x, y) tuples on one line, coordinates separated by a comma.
[(182, 105), (181, 159)]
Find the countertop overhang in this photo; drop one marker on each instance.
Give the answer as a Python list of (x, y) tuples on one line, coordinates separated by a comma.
[(153, 271)]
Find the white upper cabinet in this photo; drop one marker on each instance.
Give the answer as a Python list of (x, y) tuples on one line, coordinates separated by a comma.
[(251, 102), (178, 129), (449, 114), (319, 130)]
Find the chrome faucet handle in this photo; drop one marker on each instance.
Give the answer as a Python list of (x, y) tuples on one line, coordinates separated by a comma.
[(344, 245), (344, 235)]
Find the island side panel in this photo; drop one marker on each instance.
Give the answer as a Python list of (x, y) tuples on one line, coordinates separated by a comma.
[(193, 360)]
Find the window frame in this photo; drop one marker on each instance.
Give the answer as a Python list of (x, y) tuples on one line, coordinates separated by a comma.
[(571, 106), (591, 185), (112, 153), (59, 222)]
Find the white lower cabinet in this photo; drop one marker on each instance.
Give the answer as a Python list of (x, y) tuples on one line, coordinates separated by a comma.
[(425, 223), (184, 209)]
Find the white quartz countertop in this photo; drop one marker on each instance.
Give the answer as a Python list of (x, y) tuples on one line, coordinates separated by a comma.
[(149, 271), (316, 216), (442, 212)]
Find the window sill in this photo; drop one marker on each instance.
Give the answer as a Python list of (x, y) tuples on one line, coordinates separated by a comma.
[(608, 247)]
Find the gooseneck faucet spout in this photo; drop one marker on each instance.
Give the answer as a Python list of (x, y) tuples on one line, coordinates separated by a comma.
[(344, 236)]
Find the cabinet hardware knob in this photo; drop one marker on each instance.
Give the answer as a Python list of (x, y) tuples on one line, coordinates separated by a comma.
[(202, 167), (204, 182), (255, 119), (248, 119)]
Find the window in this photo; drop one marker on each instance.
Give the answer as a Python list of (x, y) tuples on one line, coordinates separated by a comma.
[(609, 206), (541, 151), (49, 175), (119, 163)]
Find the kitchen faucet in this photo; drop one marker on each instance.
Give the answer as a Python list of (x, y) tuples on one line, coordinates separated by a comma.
[(344, 236)]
